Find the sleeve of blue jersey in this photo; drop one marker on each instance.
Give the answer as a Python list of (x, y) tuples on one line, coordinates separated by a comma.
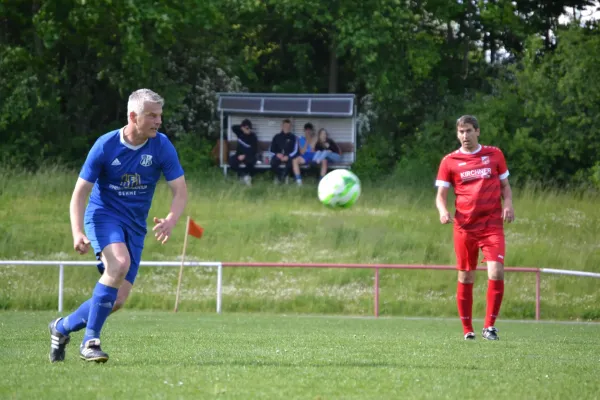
[(93, 163), (170, 164)]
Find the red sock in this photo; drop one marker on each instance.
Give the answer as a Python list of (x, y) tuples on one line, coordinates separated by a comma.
[(494, 300), (464, 301)]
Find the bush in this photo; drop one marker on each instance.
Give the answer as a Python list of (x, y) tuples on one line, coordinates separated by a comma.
[(375, 159), (194, 153)]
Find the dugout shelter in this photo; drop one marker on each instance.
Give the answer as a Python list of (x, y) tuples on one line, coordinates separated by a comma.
[(334, 112)]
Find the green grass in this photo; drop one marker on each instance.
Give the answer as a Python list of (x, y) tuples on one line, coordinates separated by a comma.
[(389, 224), (163, 355)]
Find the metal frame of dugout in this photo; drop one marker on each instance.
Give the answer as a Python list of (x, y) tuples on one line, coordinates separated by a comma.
[(334, 112)]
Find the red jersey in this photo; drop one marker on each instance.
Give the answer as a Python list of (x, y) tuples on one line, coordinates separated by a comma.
[(476, 180)]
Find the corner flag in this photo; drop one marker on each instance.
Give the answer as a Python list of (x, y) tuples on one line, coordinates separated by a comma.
[(191, 228), (194, 229)]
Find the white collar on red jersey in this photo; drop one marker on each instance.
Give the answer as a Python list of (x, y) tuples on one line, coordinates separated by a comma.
[(477, 150)]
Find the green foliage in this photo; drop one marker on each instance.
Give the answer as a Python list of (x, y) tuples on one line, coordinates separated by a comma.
[(70, 84), (68, 67), (28, 119), (194, 154), (544, 111), (375, 159), (595, 175)]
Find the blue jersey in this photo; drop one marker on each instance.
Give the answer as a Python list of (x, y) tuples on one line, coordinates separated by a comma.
[(125, 177), (302, 141)]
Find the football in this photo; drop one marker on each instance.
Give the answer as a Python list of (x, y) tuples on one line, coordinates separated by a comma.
[(339, 188)]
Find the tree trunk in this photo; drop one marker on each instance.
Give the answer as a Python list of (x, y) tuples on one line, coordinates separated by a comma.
[(449, 33), (333, 68), (492, 48), (35, 7)]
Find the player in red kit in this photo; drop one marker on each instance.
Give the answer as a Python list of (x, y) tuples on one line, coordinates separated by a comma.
[(480, 179)]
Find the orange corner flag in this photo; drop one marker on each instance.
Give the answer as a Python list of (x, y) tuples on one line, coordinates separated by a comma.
[(195, 230)]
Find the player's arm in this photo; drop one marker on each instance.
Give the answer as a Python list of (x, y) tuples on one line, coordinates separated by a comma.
[(441, 201), (237, 129), (508, 213), (302, 149), (164, 226), (180, 195), (444, 177), (76, 210), (294, 151), (274, 149)]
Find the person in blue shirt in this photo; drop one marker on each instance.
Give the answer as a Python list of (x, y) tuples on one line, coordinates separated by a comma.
[(121, 172), (306, 148)]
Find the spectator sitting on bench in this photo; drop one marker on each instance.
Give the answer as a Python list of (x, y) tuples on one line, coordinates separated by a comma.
[(245, 155), (284, 148), (306, 148), (326, 150)]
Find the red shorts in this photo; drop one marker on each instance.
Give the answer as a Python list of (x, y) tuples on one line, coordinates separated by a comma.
[(467, 245)]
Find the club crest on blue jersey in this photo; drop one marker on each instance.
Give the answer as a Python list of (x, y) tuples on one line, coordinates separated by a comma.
[(146, 160)]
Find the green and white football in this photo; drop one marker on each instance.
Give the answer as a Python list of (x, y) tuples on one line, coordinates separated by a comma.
[(339, 188)]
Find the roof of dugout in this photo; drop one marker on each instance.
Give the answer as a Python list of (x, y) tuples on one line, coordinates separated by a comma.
[(332, 105)]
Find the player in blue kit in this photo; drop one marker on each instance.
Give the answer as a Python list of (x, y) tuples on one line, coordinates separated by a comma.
[(121, 172)]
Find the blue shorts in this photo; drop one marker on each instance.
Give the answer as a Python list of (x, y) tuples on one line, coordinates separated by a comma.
[(108, 231), (308, 156)]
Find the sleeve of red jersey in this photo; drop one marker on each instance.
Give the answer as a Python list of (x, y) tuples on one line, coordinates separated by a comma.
[(444, 178), (502, 168)]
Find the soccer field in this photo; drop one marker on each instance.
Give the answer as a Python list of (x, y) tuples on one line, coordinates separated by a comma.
[(162, 355)]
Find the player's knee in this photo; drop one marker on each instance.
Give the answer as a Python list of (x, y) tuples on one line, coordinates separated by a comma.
[(495, 271), (497, 275), (120, 267), (466, 277)]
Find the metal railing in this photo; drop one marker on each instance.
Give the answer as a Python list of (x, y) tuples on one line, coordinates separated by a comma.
[(376, 267)]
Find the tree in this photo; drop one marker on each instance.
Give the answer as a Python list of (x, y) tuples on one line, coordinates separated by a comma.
[(70, 84)]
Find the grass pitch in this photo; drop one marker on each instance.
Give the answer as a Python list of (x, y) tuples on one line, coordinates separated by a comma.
[(390, 224), (161, 355)]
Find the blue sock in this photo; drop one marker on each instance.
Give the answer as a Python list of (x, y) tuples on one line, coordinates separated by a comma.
[(102, 302), (298, 177), (75, 321)]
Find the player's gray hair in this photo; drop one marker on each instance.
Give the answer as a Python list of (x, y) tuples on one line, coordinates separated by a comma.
[(141, 96)]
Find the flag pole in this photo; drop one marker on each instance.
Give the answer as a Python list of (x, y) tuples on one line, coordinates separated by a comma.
[(187, 229)]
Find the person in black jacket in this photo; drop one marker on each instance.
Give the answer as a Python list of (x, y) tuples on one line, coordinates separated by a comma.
[(284, 148), (245, 155)]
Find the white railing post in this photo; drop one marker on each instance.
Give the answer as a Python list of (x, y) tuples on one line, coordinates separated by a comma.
[(61, 284), (219, 286)]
